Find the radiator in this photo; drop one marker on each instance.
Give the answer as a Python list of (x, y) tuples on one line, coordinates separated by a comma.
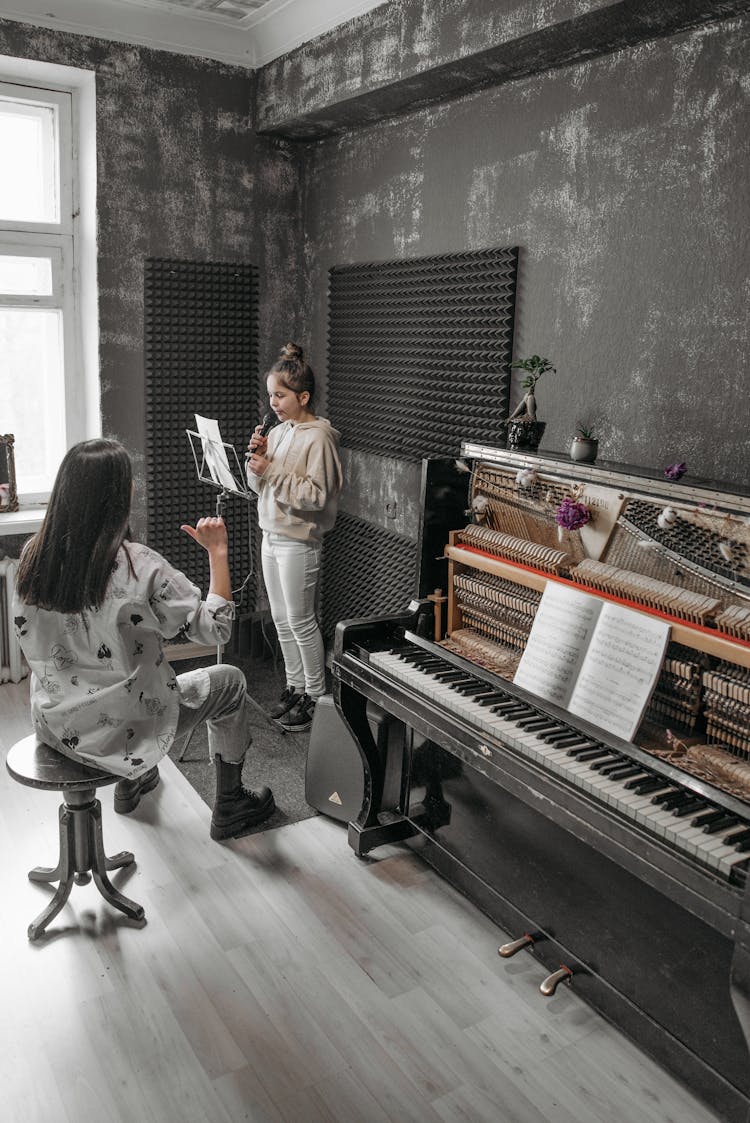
[(12, 663)]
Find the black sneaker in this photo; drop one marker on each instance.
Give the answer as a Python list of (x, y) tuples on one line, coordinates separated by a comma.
[(300, 715), (289, 698)]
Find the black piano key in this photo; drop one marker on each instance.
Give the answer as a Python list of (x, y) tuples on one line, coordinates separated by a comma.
[(707, 817), (529, 722), (742, 835), (448, 676), (537, 724), (743, 847), (690, 807), (662, 797), (606, 768), (624, 772), (615, 758), (647, 786), (556, 736), (588, 751), (679, 799), (472, 690), (505, 710), (490, 699), (638, 778), (512, 715), (637, 784), (721, 824)]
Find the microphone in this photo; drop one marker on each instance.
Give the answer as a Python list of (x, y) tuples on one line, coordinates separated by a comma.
[(266, 426)]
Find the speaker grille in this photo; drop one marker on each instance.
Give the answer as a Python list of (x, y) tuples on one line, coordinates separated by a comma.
[(419, 351), (200, 357)]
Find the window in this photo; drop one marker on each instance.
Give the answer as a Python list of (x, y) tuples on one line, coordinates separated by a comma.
[(40, 390)]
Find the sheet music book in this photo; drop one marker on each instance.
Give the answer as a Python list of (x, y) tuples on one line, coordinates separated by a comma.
[(214, 452), (597, 659)]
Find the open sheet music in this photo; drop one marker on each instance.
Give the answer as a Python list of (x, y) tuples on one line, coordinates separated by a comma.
[(597, 659)]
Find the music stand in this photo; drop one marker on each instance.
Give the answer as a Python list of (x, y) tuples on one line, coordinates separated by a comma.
[(219, 467), (214, 467)]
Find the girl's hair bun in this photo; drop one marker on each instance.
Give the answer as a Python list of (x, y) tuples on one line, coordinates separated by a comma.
[(292, 352)]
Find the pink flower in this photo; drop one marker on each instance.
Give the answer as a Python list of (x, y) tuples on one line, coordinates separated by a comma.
[(675, 471), (571, 515)]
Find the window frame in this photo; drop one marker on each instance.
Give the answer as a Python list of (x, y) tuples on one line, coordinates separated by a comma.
[(58, 239)]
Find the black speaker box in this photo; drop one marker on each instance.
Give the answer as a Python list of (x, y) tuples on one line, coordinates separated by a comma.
[(334, 777)]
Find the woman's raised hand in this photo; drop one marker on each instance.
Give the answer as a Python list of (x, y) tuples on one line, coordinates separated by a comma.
[(210, 533)]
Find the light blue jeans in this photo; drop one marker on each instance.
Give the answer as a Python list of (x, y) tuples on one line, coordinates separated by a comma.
[(217, 695), (290, 571)]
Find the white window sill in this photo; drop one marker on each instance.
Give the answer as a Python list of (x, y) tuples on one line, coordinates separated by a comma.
[(27, 520)]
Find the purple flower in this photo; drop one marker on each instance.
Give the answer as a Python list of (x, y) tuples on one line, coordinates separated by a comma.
[(571, 515), (675, 471)]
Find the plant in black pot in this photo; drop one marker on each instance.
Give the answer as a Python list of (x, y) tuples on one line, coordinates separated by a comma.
[(524, 430)]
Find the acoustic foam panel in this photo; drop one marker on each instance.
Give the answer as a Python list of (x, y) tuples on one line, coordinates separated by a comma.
[(419, 351), (200, 357)]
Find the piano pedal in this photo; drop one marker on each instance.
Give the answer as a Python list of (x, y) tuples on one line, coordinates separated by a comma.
[(549, 985), (507, 950)]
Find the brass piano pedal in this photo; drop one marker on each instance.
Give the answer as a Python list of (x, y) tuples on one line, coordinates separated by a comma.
[(550, 984), (507, 950)]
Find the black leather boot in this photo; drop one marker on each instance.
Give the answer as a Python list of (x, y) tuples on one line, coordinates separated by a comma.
[(236, 808), (128, 792)]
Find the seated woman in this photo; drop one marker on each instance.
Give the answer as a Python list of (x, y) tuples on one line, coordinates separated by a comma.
[(92, 609)]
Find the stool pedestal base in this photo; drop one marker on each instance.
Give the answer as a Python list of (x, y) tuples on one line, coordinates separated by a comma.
[(81, 855)]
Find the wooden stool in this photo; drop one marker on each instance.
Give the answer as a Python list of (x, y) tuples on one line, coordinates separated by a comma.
[(81, 844)]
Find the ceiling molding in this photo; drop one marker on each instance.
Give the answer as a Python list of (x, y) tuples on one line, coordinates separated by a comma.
[(263, 35)]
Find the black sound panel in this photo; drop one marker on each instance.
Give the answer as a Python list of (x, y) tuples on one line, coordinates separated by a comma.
[(419, 351), (200, 357), (366, 571)]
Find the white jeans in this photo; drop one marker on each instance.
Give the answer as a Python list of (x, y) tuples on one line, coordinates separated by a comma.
[(290, 571)]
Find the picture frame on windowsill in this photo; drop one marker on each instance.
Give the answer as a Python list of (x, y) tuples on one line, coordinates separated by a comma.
[(8, 492)]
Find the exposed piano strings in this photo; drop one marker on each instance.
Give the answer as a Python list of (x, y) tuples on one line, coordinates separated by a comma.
[(637, 588)]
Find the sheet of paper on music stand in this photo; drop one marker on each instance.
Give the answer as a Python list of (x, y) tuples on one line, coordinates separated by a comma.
[(214, 453)]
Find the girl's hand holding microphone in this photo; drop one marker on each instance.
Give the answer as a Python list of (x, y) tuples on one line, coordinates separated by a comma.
[(256, 452)]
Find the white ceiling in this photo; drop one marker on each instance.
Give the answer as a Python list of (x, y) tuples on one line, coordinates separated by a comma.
[(242, 32)]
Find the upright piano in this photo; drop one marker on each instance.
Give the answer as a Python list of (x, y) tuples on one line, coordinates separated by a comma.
[(622, 866)]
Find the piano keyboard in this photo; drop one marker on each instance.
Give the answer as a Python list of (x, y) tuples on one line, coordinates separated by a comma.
[(708, 834)]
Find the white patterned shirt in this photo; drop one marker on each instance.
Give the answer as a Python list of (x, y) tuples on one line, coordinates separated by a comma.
[(101, 690)]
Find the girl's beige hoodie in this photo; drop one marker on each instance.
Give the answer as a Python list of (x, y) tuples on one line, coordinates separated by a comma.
[(298, 492)]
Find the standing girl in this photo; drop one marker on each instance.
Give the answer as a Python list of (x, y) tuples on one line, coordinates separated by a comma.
[(296, 473), (91, 611)]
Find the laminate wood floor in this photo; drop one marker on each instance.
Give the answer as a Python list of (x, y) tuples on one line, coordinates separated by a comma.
[(280, 980)]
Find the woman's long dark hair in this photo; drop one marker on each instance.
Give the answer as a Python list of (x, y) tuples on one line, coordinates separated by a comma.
[(67, 564)]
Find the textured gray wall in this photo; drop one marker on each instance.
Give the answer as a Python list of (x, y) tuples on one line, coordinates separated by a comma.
[(180, 173), (623, 177), (624, 180)]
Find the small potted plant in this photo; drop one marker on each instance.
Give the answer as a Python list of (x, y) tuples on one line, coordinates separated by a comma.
[(585, 446), (524, 430)]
